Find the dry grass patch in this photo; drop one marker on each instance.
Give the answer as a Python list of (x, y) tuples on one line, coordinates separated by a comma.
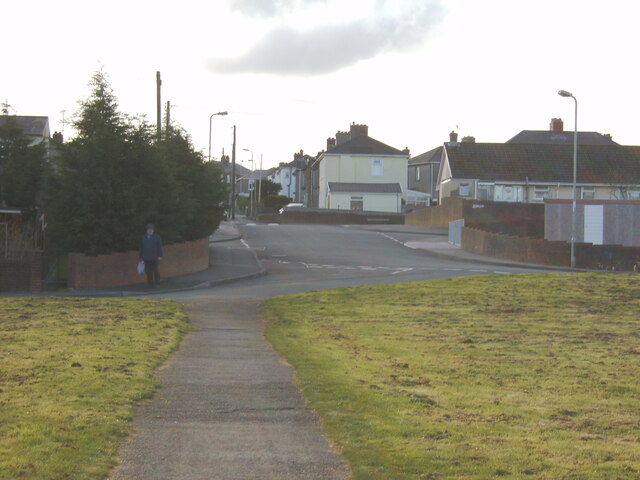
[(532, 376)]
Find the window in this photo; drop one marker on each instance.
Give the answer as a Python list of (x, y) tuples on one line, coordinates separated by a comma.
[(588, 193), (509, 193), (540, 193), (633, 194), (485, 191), (357, 204), (464, 190), (376, 167), (417, 174)]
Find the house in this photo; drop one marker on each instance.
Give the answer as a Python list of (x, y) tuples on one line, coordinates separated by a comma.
[(526, 172), (557, 136), (357, 172), (292, 177), (34, 128), (423, 172)]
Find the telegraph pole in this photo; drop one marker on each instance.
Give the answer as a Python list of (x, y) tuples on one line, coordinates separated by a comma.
[(233, 176), (168, 118), (158, 104)]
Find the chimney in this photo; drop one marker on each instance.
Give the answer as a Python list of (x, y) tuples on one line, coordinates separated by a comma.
[(359, 131), (557, 127), (331, 143), (342, 137), (453, 138), (468, 140)]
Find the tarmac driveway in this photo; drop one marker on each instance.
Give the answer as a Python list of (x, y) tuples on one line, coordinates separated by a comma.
[(228, 409)]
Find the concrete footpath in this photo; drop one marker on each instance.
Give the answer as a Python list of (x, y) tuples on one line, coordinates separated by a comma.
[(228, 409)]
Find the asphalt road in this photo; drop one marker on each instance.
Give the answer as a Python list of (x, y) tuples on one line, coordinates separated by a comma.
[(229, 408), (309, 257)]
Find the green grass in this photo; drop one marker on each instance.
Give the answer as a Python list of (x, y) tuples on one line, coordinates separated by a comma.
[(511, 377), (70, 372)]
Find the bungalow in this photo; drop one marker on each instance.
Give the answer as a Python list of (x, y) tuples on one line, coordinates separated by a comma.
[(530, 173)]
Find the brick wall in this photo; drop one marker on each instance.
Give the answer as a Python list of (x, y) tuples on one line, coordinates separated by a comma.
[(333, 217), (22, 275), (544, 252), (120, 268), (520, 219)]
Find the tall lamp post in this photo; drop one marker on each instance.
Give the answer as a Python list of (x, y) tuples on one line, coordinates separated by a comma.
[(252, 190), (210, 119), (564, 93)]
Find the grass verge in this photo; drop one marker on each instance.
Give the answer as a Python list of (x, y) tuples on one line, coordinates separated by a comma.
[(515, 377), (70, 373)]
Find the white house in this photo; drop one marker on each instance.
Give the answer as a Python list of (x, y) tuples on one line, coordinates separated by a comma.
[(359, 173)]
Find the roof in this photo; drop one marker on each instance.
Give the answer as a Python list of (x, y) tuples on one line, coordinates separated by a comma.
[(365, 145), (432, 156), (564, 138), (520, 162), (36, 126), (341, 187)]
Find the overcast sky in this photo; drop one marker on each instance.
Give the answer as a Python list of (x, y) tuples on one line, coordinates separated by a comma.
[(293, 72)]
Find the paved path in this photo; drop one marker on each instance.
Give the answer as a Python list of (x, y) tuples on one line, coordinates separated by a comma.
[(228, 409)]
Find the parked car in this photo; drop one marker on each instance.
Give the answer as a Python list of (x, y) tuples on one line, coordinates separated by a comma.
[(289, 206)]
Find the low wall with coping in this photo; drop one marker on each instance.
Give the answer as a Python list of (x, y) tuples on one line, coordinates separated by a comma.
[(120, 268)]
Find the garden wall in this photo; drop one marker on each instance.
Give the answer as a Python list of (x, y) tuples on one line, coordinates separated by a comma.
[(333, 217), (120, 268), (543, 252), (23, 274), (519, 219)]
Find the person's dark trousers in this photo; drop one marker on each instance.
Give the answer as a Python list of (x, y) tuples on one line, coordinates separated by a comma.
[(152, 271)]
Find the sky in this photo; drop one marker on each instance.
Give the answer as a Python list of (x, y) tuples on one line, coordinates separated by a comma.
[(291, 73)]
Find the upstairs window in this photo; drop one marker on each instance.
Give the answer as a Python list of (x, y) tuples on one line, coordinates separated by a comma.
[(376, 167)]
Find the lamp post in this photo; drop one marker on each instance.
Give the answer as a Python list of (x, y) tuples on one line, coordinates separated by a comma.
[(564, 93), (251, 190), (210, 119)]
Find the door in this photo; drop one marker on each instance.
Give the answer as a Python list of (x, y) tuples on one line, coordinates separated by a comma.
[(594, 224)]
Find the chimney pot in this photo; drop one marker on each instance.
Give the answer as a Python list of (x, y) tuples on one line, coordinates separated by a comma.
[(557, 126)]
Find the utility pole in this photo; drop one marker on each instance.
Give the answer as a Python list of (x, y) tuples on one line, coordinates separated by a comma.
[(168, 118), (233, 176), (158, 104)]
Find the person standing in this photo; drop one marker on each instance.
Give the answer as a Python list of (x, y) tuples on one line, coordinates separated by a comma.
[(151, 253)]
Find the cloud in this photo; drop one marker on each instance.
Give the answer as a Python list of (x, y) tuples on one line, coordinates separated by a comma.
[(269, 8), (392, 26)]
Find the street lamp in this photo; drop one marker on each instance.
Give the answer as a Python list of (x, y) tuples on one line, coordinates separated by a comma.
[(564, 93), (210, 119), (249, 183)]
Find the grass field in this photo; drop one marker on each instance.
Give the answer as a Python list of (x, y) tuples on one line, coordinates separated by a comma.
[(514, 377), (70, 372)]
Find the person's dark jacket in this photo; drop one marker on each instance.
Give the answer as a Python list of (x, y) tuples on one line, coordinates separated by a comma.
[(151, 247)]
